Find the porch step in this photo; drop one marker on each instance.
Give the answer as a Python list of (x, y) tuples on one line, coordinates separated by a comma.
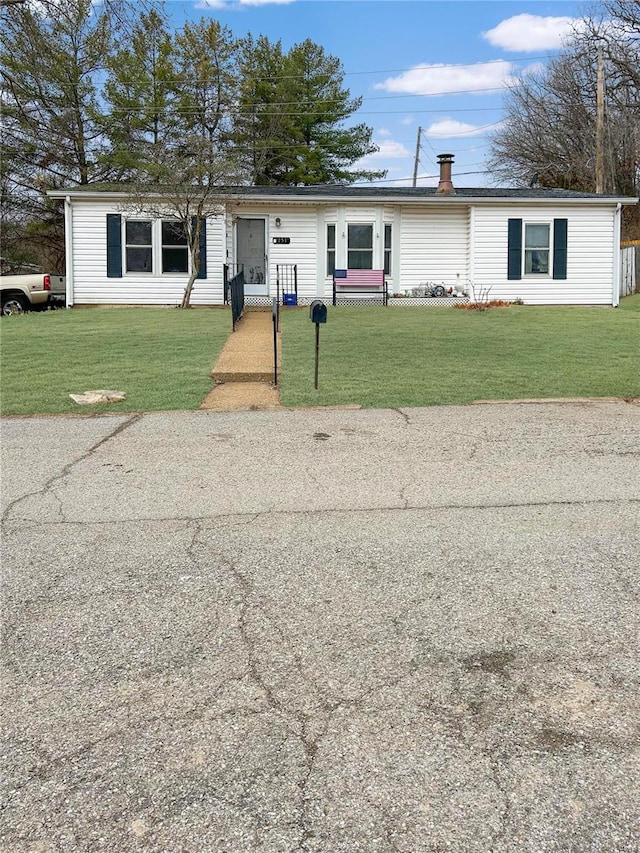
[(247, 356)]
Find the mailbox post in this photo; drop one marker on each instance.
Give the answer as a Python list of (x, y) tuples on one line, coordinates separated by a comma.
[(275, 317), (317, 315)]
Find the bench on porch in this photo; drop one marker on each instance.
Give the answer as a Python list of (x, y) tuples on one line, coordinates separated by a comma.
[(357, 282)]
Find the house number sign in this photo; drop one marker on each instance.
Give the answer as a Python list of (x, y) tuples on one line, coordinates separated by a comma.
[(282, 241)]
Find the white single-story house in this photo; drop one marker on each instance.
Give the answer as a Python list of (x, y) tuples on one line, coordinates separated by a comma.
[(541, 246)]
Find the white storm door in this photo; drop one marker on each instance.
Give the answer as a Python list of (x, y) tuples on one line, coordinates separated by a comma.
[(251, 255)]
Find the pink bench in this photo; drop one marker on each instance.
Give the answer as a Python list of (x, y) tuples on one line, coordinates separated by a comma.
[(357, 282)]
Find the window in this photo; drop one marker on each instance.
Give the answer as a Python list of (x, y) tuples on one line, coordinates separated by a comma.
[(532, 251), (537, 249), (175, 254), (387, 249), (331, 249), (147, 246), (360, 247), (138, 246)]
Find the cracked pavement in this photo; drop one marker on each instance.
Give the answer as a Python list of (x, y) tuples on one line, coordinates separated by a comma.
[(322, 630)]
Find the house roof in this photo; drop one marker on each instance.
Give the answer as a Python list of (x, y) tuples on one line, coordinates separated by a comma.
[(339, 192), (382, 193)]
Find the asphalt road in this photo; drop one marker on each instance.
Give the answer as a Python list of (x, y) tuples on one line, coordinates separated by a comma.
[(398, 630)]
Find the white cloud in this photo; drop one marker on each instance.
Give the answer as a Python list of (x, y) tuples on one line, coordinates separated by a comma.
[(388, 149), (534, 68), (231, 4), (408, 120), (444, 79), (448, 127), (383, 131), (531, 32)]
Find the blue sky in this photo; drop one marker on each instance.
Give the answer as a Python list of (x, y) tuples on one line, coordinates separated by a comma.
[(435, 65)]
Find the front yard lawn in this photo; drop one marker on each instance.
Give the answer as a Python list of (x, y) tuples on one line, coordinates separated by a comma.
[(377, 357), (403, 356), (160, 357)]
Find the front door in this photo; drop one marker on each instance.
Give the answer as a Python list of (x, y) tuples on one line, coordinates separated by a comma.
[(251, 255)]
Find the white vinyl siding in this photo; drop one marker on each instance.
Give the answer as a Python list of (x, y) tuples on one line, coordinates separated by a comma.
[(434, 246), (300, 224), (590, 255), (297, 223), (92, 287), (447, 242)]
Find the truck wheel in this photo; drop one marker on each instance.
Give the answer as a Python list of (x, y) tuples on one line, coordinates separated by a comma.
[(14, 305)]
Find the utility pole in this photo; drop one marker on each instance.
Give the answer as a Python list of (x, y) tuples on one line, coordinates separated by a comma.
[(415, 165), (600, 125)]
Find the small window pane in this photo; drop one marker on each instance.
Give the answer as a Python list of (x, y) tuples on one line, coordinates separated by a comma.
[(138, 233), (360, 237), (537, 236), (536, 261), (331, 249), (174, 260), (139, 259), (360, 260), (387, 250), (173, 234)]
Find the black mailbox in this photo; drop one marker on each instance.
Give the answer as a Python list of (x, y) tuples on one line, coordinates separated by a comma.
[(318, 311)]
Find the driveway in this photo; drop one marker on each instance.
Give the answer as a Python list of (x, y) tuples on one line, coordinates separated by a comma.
[(323, 630)]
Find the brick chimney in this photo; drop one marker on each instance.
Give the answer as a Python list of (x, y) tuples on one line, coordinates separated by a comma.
[(445, 187)]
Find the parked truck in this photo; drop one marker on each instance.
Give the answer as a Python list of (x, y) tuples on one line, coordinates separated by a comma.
[(35, 291)]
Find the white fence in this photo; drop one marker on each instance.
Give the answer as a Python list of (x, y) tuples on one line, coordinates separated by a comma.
[(628, 267)]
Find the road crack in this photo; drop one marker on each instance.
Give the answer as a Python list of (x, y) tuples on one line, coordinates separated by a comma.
[(48, 487), (404, 415)]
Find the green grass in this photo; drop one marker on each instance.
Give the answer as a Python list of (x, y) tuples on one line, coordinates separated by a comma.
[(161, 358), (403, 356)]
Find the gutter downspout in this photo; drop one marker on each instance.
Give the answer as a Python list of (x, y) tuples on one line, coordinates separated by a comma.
[(68, 250), (616, 256)]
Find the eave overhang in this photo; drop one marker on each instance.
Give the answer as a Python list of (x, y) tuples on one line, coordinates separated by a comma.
[(328, 197)]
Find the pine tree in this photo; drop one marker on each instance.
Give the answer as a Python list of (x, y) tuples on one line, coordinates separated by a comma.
[(293, 115), (140, 95), (262, 125), (52, 52)]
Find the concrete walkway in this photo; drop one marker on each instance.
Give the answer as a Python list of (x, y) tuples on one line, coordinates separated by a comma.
[(244, 371)]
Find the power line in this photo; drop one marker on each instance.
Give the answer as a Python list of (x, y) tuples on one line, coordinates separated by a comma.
[(276, 78), (420, 178), (186, 111), (427, 65)]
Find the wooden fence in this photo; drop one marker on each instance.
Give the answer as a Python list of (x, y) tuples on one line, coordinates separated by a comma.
[(629, 266)]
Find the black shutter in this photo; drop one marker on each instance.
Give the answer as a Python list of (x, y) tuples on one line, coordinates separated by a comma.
[(202, 272), (514, 250), (114, 245), (559, 248)]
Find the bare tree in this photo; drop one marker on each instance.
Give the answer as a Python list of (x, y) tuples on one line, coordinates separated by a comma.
[(193, 159), (550, 126), (194, 187)]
